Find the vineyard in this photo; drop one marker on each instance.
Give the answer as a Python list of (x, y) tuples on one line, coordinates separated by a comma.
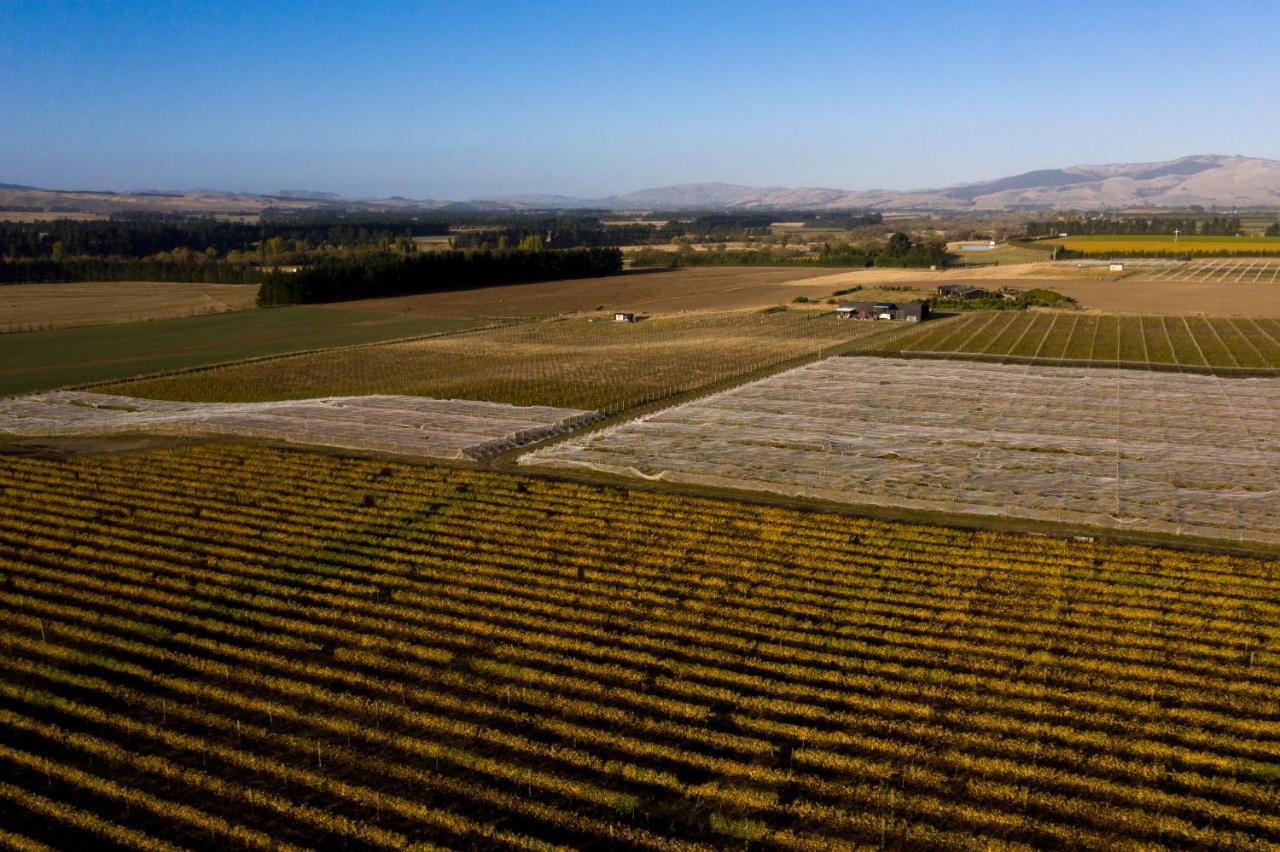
[(573, 363), (1171, 453), (1231, 342), (1095, 245), (1249, 270), (404, 425), (227, 647)]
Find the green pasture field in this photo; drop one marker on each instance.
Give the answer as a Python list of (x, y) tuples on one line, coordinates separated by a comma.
[(1231, 342), (42, 360)]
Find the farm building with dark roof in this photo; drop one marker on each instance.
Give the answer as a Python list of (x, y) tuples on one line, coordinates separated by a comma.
[(963, 291)]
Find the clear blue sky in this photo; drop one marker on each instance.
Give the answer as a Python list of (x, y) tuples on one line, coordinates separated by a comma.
[(462, 99)]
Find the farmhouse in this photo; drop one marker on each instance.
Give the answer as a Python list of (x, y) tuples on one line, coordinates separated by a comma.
[(908, 312), (963, 291), (624, 316)]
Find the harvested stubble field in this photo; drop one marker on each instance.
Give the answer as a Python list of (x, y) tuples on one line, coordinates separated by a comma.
[(1231, 342), (1166, 453), (35, 307), (404, 425), (576, 363), (652, 291), (227, 647)]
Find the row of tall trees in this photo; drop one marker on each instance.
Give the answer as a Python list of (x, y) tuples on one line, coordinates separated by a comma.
[(1155, 225), (384, 275), (133, 239), (900, 250), (47, 270)]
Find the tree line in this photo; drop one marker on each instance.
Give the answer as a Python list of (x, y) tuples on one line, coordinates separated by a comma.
[(1217, 226), (125, 238), (47, 270), (340, 279), (899, 251), (1171, 254)]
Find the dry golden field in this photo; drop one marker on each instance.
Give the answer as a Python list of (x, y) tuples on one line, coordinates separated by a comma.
[(45, 216), (30, 307)]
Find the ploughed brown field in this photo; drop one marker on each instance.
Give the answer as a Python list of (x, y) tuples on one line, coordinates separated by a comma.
[(644, 291)]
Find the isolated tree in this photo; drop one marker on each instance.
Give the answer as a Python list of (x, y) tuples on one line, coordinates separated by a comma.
[(899, 244), (1273, 230)]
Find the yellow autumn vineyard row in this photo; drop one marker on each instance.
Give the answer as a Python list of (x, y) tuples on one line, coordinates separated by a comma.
[(723, 769), (531, 662), (1152, 675), (1115, 554), (788, 671), (357, 601), (884, 559)]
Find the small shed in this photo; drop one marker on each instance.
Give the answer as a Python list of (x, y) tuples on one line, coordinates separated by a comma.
[(623, 316)]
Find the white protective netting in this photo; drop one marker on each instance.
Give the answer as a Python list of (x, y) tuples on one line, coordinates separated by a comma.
[(1153, 451), (406, 425)]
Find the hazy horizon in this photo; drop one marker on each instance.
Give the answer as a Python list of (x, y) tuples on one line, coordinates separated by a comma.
[(513, 195), (442, 101)]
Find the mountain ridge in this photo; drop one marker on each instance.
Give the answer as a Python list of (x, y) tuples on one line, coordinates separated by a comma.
[(1207, 180)]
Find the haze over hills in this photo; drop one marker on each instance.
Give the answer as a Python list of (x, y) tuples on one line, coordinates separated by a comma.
[(1207, 180)]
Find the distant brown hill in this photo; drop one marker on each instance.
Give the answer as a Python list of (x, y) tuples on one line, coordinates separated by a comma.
[(1207, 180)]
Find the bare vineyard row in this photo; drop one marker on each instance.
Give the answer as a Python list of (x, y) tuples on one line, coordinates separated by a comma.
[(225, 645), (1174, 340), (1251, 270)]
